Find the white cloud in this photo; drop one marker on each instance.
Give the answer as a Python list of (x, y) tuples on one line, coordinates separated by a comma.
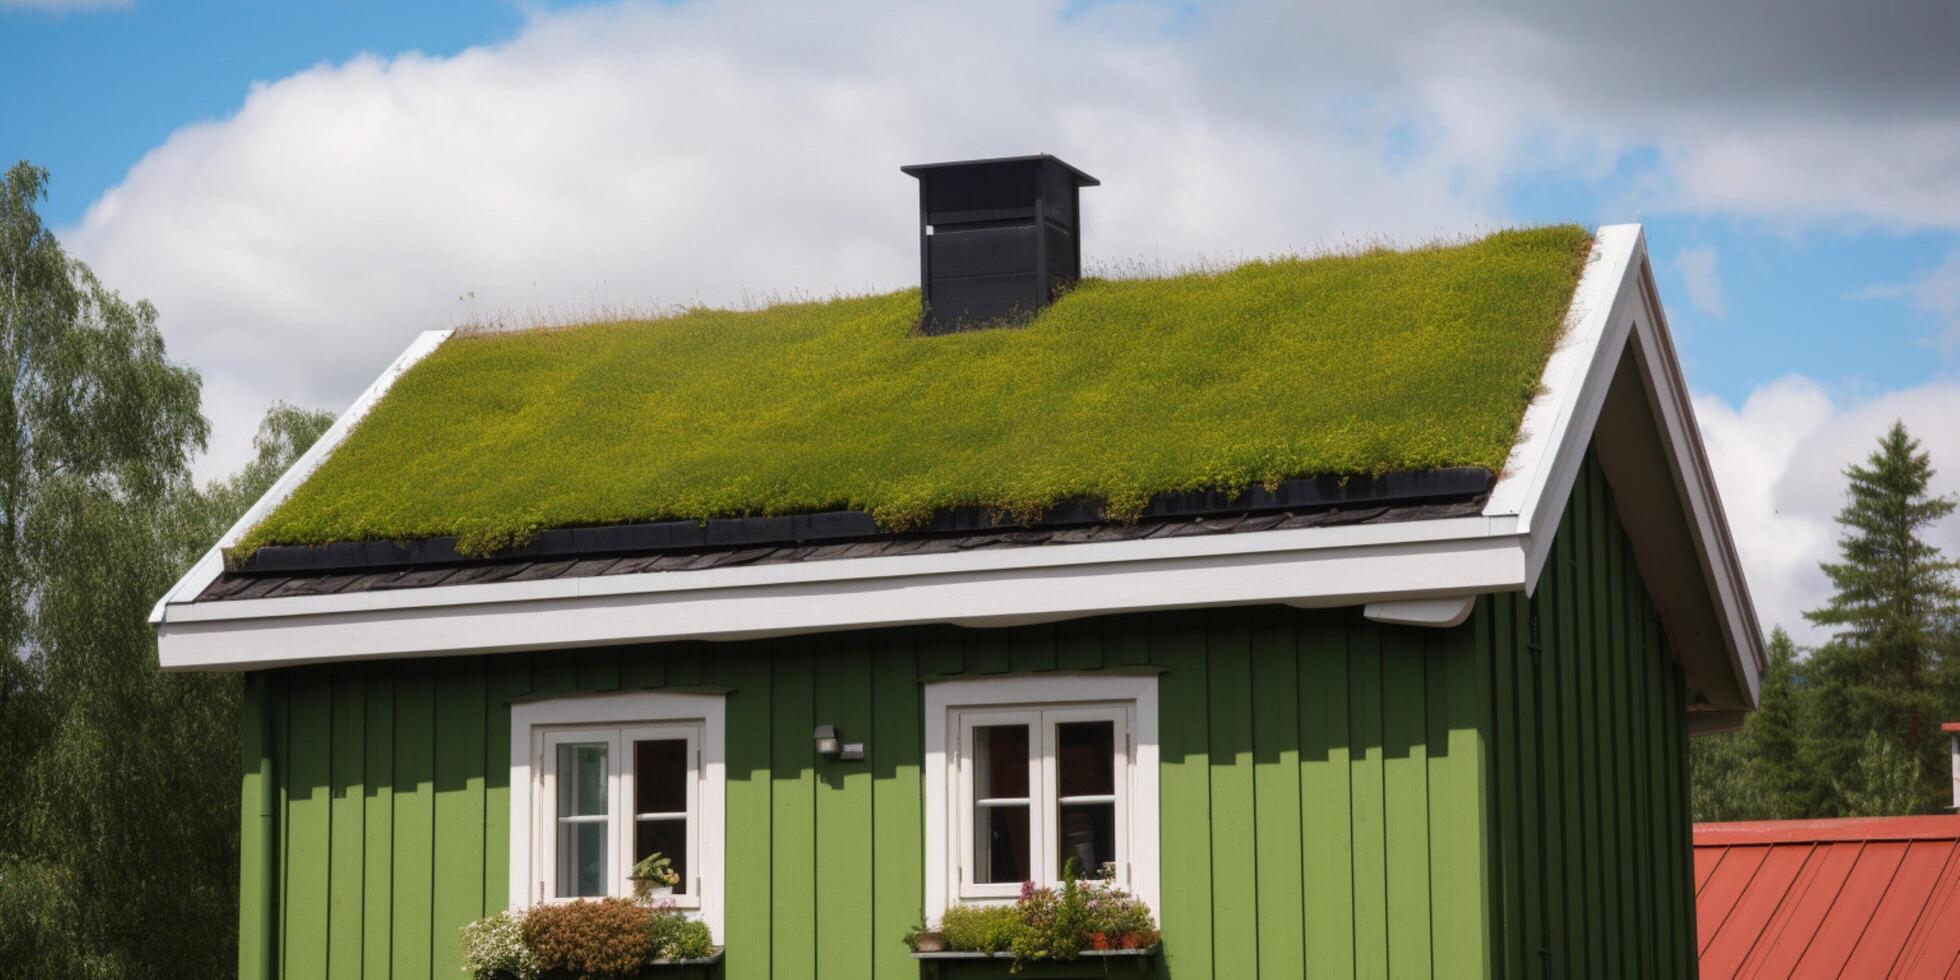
[(1704, 281), (1779, 460), (1900, 174)]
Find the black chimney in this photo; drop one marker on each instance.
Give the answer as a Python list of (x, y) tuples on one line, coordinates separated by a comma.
[(997, 238)]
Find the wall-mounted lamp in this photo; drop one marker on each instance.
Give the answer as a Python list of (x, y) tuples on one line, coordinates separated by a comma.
[(828, 745)]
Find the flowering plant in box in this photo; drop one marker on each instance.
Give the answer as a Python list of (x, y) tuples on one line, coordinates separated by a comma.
[(603, 939), (1054, 923)]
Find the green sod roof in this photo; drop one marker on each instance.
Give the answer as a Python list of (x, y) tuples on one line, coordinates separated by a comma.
[(1120, 390)]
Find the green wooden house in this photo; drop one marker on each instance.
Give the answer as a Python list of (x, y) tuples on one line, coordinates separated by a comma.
[(1354, 612)]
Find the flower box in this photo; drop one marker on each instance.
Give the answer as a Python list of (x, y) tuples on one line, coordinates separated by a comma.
[(1094, 963), (702, 967)]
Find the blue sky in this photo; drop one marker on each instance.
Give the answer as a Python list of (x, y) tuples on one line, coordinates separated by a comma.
[(302, 186), (113, 82)]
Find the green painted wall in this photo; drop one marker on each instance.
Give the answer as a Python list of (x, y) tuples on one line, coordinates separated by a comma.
[(1588, 748), (1337, 798)]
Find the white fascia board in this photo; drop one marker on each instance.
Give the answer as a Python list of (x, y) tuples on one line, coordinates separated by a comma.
[(1616, 303), (1314, 567), (209, 567), (1558, 424), (1694, 480)]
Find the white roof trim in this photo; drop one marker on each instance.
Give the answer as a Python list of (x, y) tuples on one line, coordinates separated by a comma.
[(212, 564), (1552, 440), (1694, 481), (1501, 550)]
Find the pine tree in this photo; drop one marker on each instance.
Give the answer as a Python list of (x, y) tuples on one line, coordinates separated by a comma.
[(1894, 598), (1775, 731), (1760, 772), (1884, 784)]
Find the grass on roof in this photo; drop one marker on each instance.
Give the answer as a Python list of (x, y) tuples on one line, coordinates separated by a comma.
[(1121, 390)]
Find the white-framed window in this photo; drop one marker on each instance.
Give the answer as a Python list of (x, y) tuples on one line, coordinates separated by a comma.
[(599, 782), (1024, 773)]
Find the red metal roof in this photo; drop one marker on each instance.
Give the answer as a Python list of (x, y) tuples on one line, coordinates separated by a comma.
[(1874, 897)]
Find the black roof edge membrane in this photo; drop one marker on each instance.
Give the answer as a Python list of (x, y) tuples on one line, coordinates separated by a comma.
[(1310, 493)]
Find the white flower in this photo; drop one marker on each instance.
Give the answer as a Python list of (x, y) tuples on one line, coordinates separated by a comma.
[(494, 948)]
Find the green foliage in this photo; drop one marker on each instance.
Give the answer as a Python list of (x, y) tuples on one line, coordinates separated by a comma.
[(606, 939), (118, 783), (1048, 930), (674, 936), (88, 402), (1760, 772), (493, 949), (980, 928), (131, 761), (1114, 918), (1052, 923), (1885, 782), (653, 871), (1120, 390)]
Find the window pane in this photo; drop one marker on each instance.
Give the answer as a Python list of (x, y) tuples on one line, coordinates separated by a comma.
[(1000, 844), (1000, 761), (1087, 766), (582, 820), (1087, 833), (581, 858), (582, 780), (669, 837), (660, 776)]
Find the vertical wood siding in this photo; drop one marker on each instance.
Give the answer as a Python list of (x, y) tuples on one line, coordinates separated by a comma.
[(1338, 798), (1588, 743)]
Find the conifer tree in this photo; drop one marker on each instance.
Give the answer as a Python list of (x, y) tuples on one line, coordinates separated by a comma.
[(1775, 733), (1761, 772), (1894, 597)]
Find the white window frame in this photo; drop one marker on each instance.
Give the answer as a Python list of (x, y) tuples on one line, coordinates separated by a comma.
[(964, 770), (619, 720), (953, 707)]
